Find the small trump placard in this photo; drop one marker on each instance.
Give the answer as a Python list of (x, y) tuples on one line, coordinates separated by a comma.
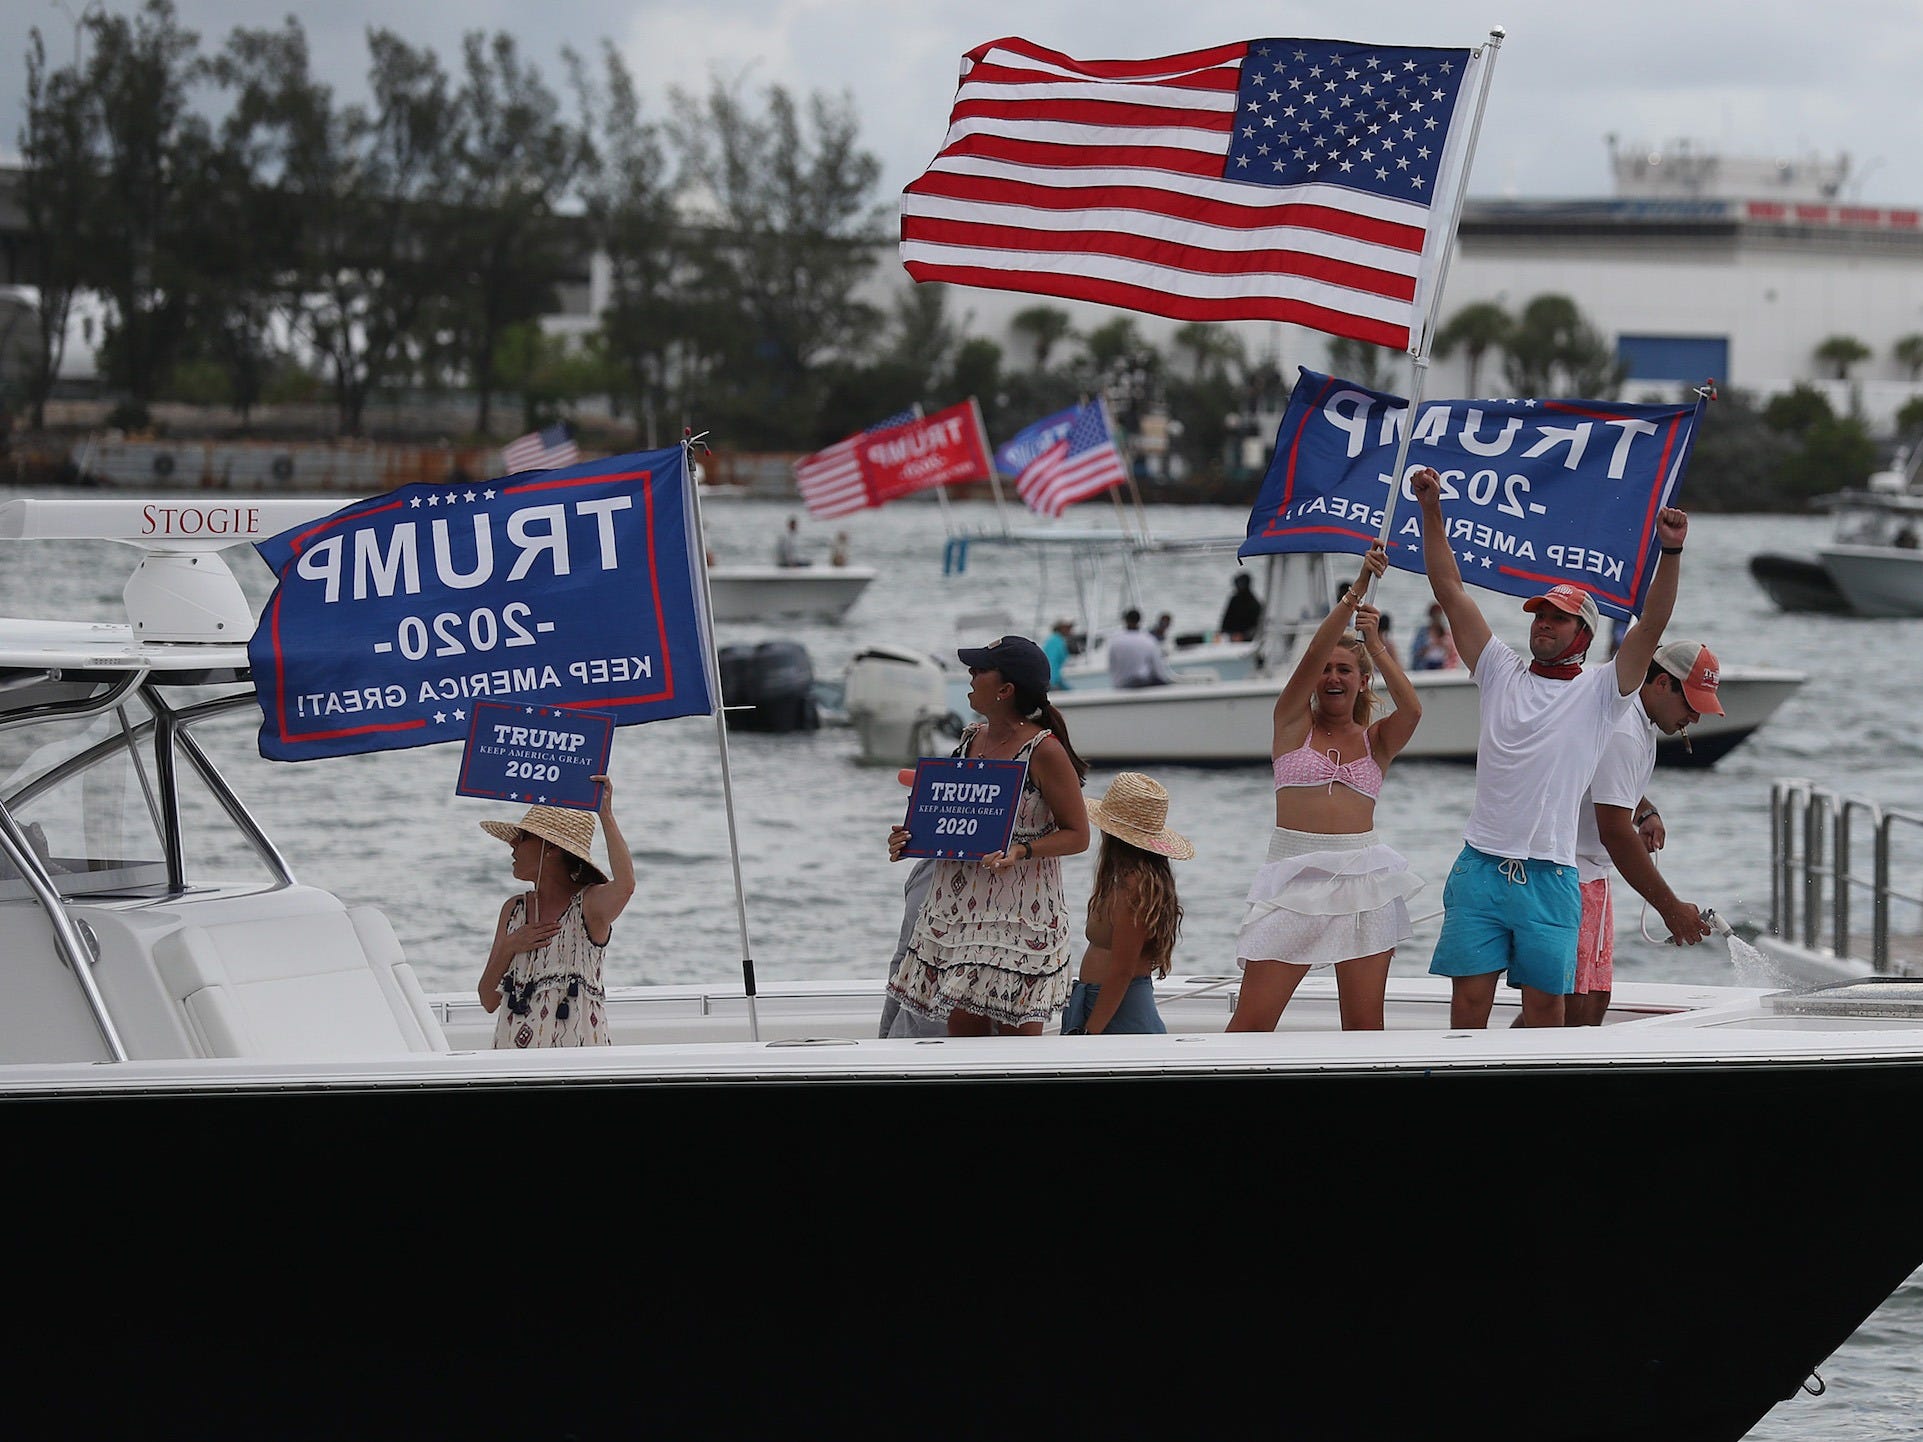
[(543, 755), (962, 809)]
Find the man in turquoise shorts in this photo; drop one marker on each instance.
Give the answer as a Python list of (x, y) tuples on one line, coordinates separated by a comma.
[(1512, 903)]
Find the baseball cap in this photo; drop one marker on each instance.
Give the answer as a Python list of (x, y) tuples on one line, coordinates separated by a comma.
[(1021, 662), (1695, 665), (1570, 599)]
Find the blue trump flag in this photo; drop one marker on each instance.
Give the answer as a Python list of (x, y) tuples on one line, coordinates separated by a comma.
[(1535, 493), (1013, 456), (394, 615)]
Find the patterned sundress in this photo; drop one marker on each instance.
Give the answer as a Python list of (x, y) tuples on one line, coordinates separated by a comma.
[(995, 943), (552, 996)]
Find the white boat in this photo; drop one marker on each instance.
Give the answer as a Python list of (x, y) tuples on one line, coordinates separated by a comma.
[(766, 593), (1872, 566), (1221, 710), (263, 1182)]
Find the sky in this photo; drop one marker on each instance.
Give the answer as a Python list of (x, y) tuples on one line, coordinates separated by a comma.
[(1738, 77)]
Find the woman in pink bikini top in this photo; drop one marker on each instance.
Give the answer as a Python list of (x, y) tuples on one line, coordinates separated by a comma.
[(1329, 757)]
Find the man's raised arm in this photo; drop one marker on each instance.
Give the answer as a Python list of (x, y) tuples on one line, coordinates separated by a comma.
[(1639, 645), (1445, 580)]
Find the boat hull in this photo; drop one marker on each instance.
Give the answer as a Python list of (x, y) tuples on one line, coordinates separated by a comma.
[(1797, 583), (1343, 1254), (1231, 723), (1877, 580), (763, 593)]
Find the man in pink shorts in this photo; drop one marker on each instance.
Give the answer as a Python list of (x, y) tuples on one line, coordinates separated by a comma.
[(1616, 826)]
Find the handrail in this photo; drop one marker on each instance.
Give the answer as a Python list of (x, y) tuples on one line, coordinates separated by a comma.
[(1813, 865)]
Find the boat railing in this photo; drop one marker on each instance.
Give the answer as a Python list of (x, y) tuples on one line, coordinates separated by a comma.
[(1820, 879)]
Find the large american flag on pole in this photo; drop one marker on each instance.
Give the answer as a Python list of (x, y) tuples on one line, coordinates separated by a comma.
[(1081, 464), (830, 481), (1285, 180)]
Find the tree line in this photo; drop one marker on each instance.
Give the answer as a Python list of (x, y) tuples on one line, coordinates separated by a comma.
[(250, 236)]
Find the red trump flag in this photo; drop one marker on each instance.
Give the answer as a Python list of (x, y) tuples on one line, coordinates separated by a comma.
[(900, 456)]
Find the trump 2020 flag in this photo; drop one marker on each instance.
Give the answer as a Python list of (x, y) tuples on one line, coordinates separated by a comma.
[(1287, 180), (394, 615), (1534, 492), (903, 454), (1083, 463)]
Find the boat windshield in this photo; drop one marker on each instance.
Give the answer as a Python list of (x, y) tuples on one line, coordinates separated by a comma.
[(1873, 526), (86, 794)]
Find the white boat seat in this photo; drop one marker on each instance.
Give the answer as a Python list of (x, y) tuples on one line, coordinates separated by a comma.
[(322, 981)]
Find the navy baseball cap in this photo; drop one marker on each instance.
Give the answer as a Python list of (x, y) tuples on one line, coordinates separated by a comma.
[(1019, 660)]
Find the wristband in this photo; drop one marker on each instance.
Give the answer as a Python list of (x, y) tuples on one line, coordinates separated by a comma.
[(1672, 550), (1646, 815), (1028, 851)]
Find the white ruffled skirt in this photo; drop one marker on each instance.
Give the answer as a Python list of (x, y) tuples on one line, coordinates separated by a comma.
[(1322, 898)]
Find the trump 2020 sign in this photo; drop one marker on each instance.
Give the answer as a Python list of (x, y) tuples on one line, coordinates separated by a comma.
[(395, 615), (1535, 493)]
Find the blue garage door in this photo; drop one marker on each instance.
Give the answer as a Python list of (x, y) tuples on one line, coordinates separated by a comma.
[(1692, 358)]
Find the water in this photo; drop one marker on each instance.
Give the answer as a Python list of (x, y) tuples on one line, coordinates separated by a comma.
[(822, 899)]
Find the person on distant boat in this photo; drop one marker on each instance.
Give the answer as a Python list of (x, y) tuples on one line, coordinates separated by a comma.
[(1161, 628), (1133, 914), (1618, 825), (1057, 645), (1434, 649), (991, 946), (1242, 616), (545, 963), (1906, 538), (1331, 892), (1512, 903), (788, 550), (1134, 658)]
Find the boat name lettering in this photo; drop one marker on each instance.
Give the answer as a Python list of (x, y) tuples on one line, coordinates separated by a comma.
[(931, 436), (200, 520), (980, 792), (539, 738), (1354, 413), (381, 569)]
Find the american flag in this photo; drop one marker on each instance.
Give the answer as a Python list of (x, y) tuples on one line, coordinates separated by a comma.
[(830, 481), (545, 450), (1286, 180), (1083, 463)]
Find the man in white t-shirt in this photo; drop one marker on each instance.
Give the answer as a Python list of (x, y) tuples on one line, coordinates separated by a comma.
[(1618, 827), (1134, 657), (1511, 903)]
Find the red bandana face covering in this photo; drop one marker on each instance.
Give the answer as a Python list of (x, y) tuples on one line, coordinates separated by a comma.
[(1568, 666)]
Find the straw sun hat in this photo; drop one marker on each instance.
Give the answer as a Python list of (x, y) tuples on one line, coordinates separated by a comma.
[(572, 831), (1135, 810)]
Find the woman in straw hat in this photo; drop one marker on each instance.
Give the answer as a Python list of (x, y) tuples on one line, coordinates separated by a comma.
[(991, 944), (545, 963), (1331, 893), (1133, 915)]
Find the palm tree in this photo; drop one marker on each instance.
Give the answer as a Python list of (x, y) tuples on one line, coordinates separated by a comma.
[(1908, 353), (1210, 348), (1045, 326), (1475, 330), (1842, 351)]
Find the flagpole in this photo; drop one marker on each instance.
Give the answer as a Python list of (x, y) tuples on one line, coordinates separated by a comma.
[(712, 662), (994, 481), (1419, 353)]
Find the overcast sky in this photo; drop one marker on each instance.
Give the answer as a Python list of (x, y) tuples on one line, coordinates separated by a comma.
[(1744, 77)]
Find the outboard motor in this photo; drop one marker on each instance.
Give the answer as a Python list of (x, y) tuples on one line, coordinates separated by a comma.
[(775, 683), (897, 701)]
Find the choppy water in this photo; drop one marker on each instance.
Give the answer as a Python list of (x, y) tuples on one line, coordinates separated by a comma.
[(822, 899)]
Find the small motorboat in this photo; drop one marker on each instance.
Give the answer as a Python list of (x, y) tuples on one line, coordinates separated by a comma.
[(1873, 565)]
